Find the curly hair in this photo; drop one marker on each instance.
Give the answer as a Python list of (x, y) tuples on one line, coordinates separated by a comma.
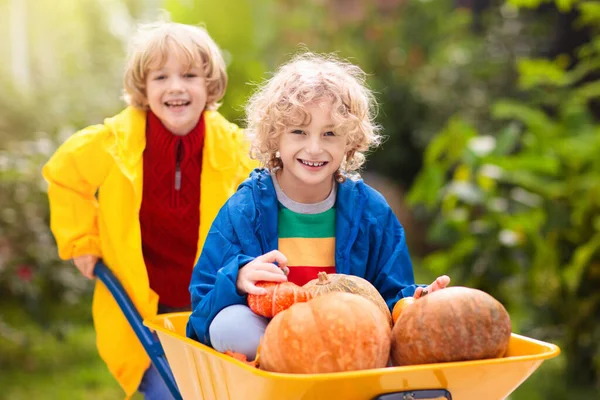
[(150, 48), (305, 79)]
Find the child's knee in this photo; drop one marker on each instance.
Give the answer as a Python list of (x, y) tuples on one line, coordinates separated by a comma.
[(238, 329)]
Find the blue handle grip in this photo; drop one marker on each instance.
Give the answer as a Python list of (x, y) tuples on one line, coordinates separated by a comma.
[(152, 346)]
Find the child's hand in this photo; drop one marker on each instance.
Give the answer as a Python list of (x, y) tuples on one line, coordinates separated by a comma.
[(85, 264), (440, 283), (262, 269)]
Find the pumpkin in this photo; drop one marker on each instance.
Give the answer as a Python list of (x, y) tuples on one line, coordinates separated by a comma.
[(241, 357), (326, 283), (452, 324), (400, 306), (280, 296), (334, 332)]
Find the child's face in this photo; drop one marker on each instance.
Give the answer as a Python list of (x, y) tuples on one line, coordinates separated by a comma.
[(176, 94), (310, 155)]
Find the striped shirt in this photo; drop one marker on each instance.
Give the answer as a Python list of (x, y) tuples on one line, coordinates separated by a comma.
[(306, 235)]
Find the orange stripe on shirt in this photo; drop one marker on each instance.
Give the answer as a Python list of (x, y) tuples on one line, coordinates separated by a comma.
[(310, 252)]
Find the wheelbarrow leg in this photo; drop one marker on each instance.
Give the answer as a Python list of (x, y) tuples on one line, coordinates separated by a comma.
[(150, 343)]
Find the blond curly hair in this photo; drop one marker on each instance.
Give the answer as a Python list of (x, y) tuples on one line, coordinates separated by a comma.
[(151, 46), (308, 78)]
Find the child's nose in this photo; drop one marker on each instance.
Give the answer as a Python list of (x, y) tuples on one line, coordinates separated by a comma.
[(176, 83), (314, 146)]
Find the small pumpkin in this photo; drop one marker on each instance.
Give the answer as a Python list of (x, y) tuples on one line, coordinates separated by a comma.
[(242, 357), (401, 306), (452, 324), (326, 283), (334, 332), (280, 296)]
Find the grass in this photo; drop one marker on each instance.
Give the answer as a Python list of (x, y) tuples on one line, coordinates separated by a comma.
[(53, 364)]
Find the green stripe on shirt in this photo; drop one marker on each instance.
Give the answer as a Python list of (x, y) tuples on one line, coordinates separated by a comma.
[(293, 225)]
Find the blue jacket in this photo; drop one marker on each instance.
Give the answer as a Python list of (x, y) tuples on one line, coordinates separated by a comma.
[(370, 243)]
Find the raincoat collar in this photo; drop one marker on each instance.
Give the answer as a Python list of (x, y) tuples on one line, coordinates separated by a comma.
[(129, 128)]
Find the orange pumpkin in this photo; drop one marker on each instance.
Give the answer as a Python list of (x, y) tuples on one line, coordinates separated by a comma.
[(334, 332), (241, 357), (326, 283), (452, 324), (400, 306), (279, 297)]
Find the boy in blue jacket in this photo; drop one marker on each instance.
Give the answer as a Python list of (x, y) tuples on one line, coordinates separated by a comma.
[(307, 211)]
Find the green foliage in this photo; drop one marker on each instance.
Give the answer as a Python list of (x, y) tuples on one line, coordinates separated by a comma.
[(76, 73), (243, 30), (515, 210), (37, 364)]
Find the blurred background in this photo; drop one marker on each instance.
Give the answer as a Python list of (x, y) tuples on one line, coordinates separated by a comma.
[(491, 160)]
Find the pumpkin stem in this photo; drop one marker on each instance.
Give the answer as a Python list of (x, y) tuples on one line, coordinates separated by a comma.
[(323, 278)]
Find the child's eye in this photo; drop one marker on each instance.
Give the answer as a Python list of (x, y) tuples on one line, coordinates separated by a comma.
[(297, 132), (330, 133), (159, 77), (190, 75)]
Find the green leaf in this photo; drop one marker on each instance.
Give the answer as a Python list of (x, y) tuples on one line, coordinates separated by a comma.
[(507, 140), (589, 13), (442, 262), (436, 149), (587, 92), (535, 119), (536, 72), (565, 5), (427, 187), (535, 183), (581, 70), (448, 147), (573, 272), (533, 163), (526, 3)]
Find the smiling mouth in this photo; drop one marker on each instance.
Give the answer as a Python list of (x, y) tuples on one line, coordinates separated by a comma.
[(178, 103), (313, 163)]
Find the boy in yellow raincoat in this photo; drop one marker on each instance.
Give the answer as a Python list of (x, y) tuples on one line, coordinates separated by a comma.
[(141, 190)]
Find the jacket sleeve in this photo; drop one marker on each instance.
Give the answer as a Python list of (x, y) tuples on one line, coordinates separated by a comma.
[(213, 284), (74, 173), (390, 260)]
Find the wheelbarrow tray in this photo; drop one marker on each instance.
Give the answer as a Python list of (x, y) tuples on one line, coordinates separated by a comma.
[(203, 373)]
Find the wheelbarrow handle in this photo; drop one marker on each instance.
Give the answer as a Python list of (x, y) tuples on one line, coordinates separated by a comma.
[(432, 394), (150, 343)]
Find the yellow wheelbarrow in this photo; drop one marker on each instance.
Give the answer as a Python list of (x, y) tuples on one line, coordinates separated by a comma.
[(202, 373)]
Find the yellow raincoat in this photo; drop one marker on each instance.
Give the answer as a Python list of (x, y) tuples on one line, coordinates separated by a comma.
[(107, 159)]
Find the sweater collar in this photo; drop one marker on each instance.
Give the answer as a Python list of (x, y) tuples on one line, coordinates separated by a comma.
[(162, 142)]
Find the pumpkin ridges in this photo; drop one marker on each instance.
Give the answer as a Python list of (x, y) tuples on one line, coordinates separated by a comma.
[(280, 296), (327, 283), (274, 300), (317, 337), (454, 324), (368, 341), (323, 335)]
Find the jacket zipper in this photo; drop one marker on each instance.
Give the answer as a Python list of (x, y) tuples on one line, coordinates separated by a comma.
[(178, 157)]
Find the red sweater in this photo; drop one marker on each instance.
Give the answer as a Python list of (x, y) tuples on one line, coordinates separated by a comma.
[(170, 211)]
